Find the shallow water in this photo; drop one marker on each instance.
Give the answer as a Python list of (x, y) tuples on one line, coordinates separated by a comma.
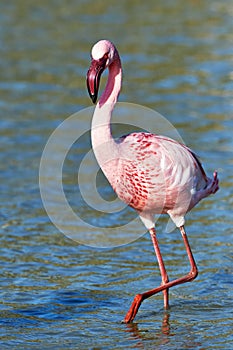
[(57, 293)]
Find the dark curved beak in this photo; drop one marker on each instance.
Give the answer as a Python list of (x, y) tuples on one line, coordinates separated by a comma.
[(93, 78)]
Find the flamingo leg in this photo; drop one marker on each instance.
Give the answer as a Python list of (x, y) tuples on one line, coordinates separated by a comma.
[(162, 268), (164, 286)]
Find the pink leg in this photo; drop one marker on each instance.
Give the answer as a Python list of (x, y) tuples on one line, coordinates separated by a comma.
[(162, 268), (165, 286)]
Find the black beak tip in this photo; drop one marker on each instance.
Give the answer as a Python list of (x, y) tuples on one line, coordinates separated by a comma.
[(93, 98)]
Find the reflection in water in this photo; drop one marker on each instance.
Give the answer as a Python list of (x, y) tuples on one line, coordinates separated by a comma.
[(166, 324), (184, 334), (140, 335)]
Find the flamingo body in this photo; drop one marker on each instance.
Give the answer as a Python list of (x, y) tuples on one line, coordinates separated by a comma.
[(157, 175), (151, 173)]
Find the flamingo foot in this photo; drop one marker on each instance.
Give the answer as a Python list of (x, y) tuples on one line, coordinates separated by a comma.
[(133, 309)]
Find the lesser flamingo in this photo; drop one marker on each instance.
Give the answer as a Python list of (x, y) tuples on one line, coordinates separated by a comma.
[(151, 173)]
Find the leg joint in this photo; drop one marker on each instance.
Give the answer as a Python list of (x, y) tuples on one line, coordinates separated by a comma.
[(193, 274)]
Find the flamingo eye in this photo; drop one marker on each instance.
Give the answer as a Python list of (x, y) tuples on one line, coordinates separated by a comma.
[(104, 60)]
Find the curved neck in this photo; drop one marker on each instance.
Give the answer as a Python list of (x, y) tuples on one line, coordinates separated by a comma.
[(113, 86), (102, 141)]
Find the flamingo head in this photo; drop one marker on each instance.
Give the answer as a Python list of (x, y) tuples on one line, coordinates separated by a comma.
[(102, 55)]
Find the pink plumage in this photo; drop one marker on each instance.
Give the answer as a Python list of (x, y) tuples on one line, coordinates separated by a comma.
[(151, 173)]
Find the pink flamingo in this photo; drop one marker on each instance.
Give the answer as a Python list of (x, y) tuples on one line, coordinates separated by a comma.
[(153, 174)]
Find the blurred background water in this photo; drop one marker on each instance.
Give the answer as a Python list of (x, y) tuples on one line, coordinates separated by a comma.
[(177, 59)]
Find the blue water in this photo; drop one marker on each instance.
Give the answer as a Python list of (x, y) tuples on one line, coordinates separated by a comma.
[(57, 293)]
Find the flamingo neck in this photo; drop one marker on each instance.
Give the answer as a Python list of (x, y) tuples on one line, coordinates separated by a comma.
[(111, 92), (103, 143)]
